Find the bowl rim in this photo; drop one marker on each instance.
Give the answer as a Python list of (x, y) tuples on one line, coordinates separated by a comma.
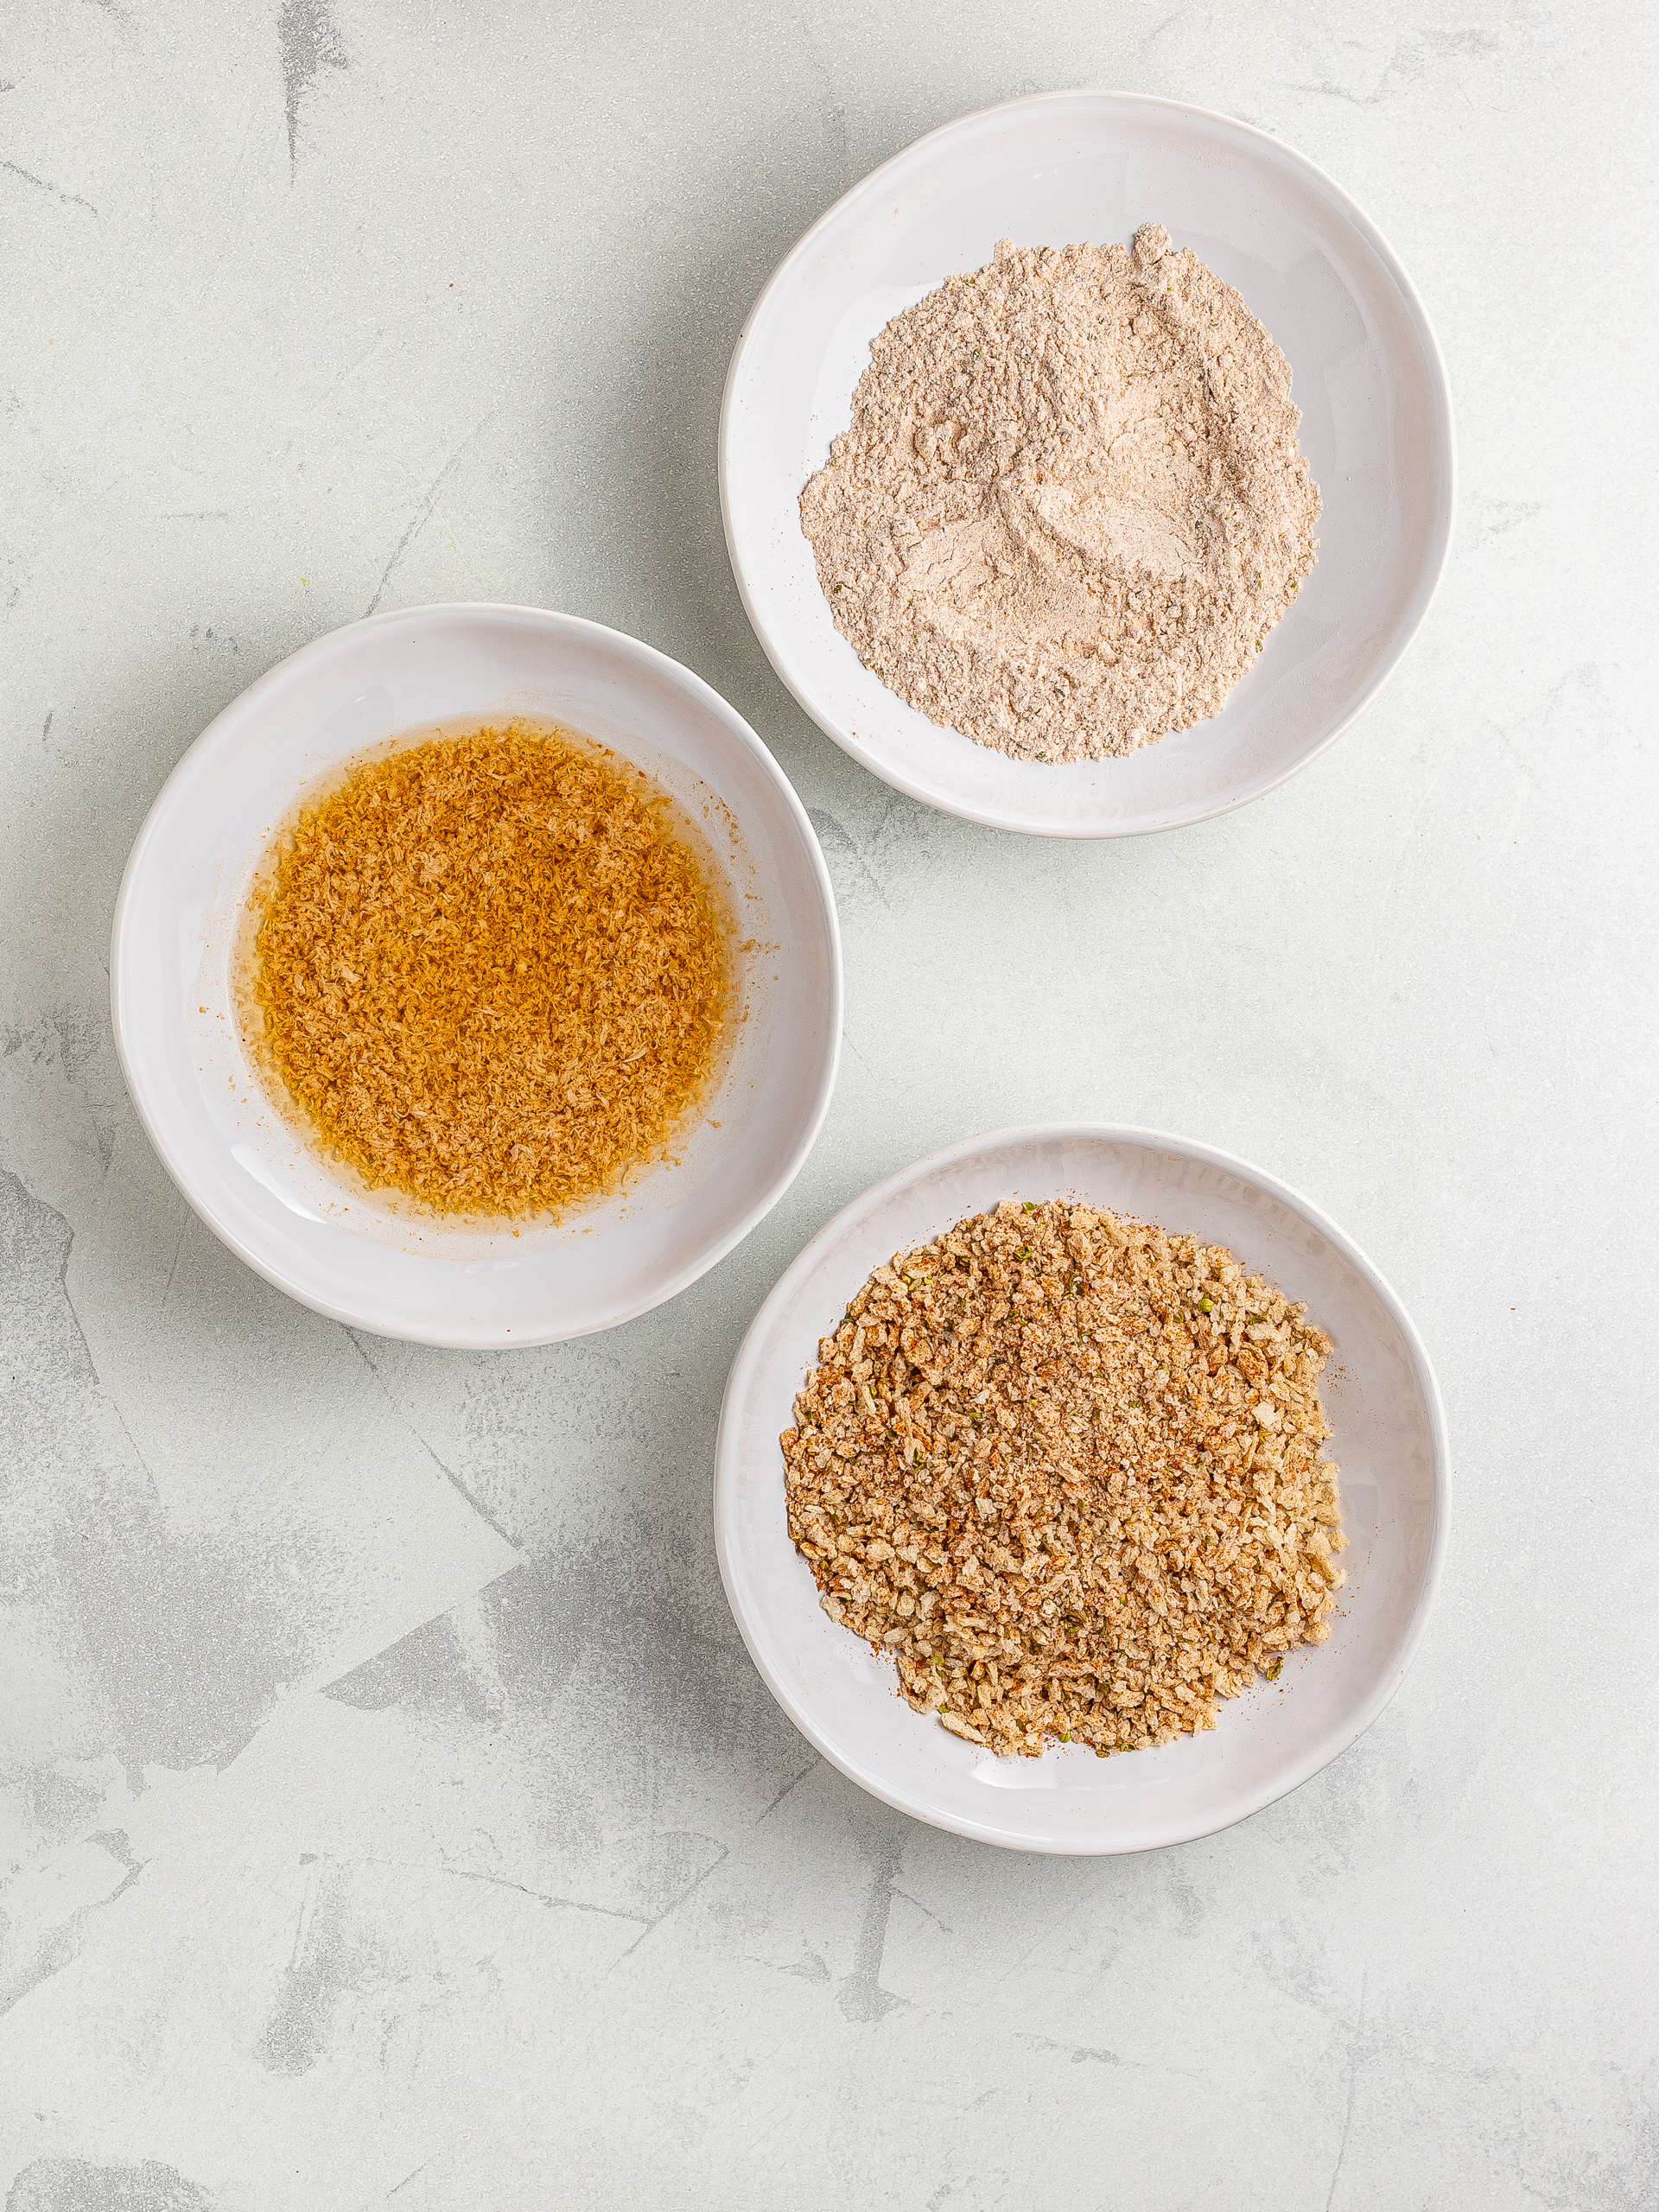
[(1427, 586), (1330, 1745), (154, 1124)]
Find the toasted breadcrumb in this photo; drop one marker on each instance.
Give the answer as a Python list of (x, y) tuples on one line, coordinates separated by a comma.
[(1066, 1469), (492, 972)]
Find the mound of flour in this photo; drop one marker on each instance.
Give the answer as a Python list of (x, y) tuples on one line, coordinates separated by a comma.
[(1071, 504)]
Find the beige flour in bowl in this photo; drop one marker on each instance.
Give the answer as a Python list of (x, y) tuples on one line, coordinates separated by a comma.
[(1070, 504)]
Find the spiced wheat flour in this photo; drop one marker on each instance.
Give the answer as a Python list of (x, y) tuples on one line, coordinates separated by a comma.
[(1070, 504)]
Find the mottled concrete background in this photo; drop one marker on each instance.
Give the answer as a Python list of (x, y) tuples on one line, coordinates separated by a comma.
[(392, 1814)]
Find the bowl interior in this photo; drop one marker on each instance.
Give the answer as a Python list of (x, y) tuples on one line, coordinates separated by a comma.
[(243, 1164), (1094, 166), (1388, 1441)]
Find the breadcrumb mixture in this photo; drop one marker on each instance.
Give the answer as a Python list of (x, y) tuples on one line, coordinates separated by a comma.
[(491, 971), (1070, 504), (1066, 1469)]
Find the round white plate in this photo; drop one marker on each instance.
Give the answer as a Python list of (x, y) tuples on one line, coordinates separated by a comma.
[(272, 1197), (1389, 1441), (1060, 169)]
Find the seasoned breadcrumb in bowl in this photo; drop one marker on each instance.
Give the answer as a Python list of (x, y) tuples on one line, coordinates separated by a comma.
[(1025, 447), (476, 976), (1081, 1490)]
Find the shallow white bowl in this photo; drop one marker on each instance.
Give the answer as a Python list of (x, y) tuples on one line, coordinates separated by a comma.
[(273, 1198), (1389, 1441), (1062, 167)]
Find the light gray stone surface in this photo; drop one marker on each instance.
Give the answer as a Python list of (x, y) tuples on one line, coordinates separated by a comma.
[(393, 1816)]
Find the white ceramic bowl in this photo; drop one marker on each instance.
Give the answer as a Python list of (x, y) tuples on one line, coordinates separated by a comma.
[(1062, 167), (275, 1200), (1389, 1441)]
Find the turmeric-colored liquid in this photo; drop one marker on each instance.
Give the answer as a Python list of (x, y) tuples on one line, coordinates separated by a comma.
[(491, 971)]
